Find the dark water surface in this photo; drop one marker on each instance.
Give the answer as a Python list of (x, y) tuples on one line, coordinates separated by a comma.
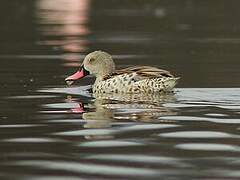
[(51, 131)]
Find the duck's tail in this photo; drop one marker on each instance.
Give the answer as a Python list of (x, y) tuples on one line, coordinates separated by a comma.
[(170, 83)]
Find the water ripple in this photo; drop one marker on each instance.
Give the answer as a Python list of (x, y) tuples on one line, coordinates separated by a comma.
[(208, 147), (197, 134), (138, 158), (110, 143), (87, 168)]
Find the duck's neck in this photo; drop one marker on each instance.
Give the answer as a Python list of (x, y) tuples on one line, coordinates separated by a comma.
[(98, 79), (102, 78)]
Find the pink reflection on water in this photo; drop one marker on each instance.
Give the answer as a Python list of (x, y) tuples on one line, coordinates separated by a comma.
[(63, 23)]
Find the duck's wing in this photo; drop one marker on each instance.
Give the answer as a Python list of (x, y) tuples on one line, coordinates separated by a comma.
[(145, 72), (141, 72)]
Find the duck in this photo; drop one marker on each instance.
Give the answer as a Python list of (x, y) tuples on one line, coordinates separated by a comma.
[(136, 79)]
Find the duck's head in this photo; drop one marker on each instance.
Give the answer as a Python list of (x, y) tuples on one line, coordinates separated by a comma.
[(97, 63)]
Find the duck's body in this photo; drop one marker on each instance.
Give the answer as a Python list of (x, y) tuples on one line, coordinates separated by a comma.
[(138, 79)]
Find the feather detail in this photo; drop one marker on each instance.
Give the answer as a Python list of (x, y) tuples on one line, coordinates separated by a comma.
[(142, 72)]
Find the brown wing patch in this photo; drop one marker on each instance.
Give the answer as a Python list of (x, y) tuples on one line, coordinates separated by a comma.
[(146, 71), (142, 72)]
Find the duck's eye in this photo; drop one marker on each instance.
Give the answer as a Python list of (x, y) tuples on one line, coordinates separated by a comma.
[(92, 60)]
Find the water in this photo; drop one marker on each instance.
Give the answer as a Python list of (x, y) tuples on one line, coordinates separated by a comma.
[(51, 131)]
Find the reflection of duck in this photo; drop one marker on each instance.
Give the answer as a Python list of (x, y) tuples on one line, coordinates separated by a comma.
[(119, 108), (136, 79), (137, 107), (139, 98)]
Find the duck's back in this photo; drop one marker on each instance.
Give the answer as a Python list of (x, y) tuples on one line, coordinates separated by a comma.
[(135, 80)]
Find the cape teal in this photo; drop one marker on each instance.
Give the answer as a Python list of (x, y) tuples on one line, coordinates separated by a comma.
[(136, 79)]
